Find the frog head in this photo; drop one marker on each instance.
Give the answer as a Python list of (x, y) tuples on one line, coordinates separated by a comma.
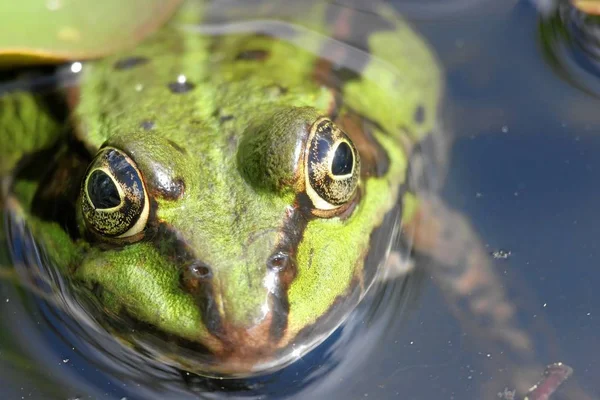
[(241, 245)]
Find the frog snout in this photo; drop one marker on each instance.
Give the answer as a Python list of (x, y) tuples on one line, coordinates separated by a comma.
[(238, 310)]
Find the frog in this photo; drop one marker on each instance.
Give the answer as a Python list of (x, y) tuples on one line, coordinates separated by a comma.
[(236, 190)]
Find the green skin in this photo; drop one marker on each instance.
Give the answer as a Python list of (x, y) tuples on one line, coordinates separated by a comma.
[(223, 161)]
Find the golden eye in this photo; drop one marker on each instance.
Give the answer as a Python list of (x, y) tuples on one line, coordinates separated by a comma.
[(332, 166), (114, 201)]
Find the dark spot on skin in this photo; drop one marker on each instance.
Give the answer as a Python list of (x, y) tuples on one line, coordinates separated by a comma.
[(181, 87), (147, 125), (177, 147), (254, 55), (130, 62), (419, 116), (222, 116)]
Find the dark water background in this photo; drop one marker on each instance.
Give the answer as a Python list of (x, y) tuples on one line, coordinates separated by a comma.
[(522, 169)]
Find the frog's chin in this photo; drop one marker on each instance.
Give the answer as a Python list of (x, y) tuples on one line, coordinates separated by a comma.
[(244, 362)]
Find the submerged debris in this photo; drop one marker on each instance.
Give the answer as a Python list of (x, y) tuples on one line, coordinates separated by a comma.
[(554, 376), (501, 254)]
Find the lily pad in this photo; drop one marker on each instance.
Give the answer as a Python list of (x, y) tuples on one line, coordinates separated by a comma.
[(51, 31)]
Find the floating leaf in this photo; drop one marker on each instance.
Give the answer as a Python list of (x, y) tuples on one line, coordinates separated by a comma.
[(49, 31)]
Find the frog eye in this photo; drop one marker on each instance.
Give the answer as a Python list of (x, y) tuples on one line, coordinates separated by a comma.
[(114, 201), (332, 166)]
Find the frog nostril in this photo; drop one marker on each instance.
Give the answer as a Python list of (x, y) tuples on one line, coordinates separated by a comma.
[(198, 270), (196, 280), (279, 261), (195, 273)]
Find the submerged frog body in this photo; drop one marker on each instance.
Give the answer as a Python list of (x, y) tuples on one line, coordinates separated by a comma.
[(237, 189)]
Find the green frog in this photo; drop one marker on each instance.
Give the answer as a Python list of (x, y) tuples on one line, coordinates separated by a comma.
[(236, 189), (236, 183)]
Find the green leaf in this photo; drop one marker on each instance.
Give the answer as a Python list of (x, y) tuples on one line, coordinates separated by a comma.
[(51, 31)]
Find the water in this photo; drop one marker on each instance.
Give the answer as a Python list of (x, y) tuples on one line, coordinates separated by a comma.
[(521, 170)]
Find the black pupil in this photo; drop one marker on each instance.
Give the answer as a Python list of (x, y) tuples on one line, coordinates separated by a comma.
[(342, 160), (102, 191)]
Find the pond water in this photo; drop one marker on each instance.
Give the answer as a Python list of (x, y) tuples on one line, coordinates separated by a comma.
[(523, 114)]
